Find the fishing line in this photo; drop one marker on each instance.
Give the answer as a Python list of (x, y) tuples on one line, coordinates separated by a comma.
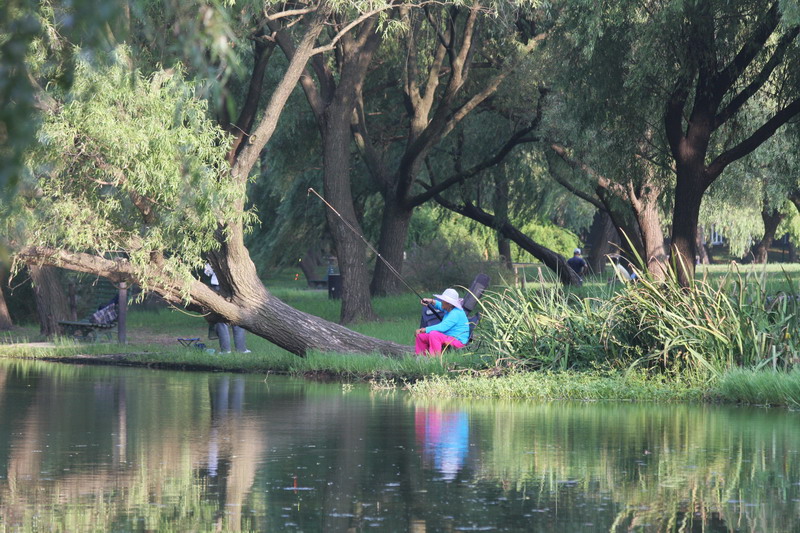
[(369, 245)]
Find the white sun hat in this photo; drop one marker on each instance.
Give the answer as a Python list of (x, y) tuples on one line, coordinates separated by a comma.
[(450, 296)]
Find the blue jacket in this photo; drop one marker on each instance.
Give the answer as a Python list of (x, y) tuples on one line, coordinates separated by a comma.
[(454, 324)]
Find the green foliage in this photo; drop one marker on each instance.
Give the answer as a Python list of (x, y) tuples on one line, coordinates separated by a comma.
[(708, 328), (759, 387), (21, 26), (547, 234), (545, 328), (701, 331), (569, 385), (446, 253), (134, 164)]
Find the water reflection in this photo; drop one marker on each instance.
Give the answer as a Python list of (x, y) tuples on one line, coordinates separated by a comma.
[(130, 450), (443, 437)]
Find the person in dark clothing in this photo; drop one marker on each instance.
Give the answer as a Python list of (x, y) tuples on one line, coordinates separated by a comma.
[(576, 262)]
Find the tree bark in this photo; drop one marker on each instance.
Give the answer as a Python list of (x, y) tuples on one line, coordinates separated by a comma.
[(437, 98), (702, 250), (394, 232), (759, 252), (345, 229), (501, 214), (632, 209), (350, 247), (716, 97), (645, 207), (603, 240), (51, 300), (310, 264), (243, 301), (685, 216), (5, 317), (333, 104), (552, 260)]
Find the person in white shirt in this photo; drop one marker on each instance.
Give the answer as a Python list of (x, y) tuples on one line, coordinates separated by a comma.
[(221, 328)]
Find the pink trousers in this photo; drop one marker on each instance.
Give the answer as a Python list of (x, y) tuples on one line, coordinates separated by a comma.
[(434, 343)]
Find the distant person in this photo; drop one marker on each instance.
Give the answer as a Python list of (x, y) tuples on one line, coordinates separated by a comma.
[(221, 328), (453, 330), (577, 263)]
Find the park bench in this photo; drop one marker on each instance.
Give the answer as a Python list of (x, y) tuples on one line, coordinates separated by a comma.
[(318, 284), (101, 321), (87, 331)]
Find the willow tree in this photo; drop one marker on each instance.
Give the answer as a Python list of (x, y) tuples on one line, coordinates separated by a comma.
[(750, 202), (701, 70), (447, 66), (152, 188)]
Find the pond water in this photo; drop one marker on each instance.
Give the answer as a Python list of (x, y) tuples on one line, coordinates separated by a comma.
[(120, 449)]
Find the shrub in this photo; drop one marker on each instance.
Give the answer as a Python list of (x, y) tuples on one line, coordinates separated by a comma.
[(544, 328), (702, 330)]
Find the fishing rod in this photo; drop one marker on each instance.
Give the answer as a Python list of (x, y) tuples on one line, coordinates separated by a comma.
[(369, 245)]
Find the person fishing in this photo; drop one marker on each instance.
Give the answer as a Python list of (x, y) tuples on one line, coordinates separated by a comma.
[(453, 330)]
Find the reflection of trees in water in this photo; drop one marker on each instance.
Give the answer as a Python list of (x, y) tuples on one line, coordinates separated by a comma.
[(135, 473), (181, 452), (667, 466)]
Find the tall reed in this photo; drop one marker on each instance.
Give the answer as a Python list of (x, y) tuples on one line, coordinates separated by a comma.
[(545, 328), (703, 329)]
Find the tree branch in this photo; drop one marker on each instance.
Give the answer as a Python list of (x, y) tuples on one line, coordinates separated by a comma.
[(724, 80), (740, 99), (263, 132), (551, 259), (435, 189), (344, 31), (567, 185), (751, 143)]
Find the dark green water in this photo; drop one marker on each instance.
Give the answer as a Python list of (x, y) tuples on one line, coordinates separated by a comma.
[(116, 449)]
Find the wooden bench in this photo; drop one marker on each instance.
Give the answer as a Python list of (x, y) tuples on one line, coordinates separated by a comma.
[(318, 284), (86, 331), (89, 328)]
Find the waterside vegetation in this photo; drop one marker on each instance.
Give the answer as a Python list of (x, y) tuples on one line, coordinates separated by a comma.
[(730, 337)]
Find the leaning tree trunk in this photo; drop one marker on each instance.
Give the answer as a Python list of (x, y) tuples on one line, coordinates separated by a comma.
[(51, 300), (760, 250), (552, 260), (250, 305)]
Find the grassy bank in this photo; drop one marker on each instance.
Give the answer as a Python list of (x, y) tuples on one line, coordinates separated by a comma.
[(564, 385), (603, 341)]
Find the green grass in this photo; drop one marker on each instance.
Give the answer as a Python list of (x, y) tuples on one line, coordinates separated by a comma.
[(759, 387), (566, 385), (559, 330)]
